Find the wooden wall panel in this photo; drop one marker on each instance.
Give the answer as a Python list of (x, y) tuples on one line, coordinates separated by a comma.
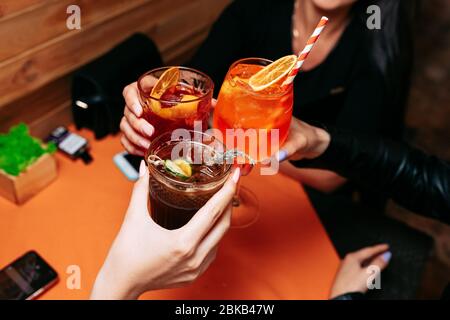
[(34, 106), (10, 8), (36, 82), (34, 28)]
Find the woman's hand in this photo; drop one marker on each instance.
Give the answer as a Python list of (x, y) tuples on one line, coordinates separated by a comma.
[(136, 130), (352, 274), (145, 256), (304, 142), (307, 142)]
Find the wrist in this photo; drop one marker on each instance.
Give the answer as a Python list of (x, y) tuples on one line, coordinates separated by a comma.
[(322, 141), (110, 285)]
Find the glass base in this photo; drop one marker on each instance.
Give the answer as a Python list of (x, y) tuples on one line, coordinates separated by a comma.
[(245, 209)]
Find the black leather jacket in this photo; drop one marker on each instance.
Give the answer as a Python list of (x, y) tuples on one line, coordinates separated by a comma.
[(415, 180)]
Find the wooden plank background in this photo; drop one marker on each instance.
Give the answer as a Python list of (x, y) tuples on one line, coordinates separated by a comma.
[(38, 53)]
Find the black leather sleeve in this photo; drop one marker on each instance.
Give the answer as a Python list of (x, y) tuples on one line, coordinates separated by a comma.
[(415, 180), (351, 296)]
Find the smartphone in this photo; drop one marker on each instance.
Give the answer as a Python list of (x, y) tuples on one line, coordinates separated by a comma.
[(70, 144), (26, 278), (128, 165)]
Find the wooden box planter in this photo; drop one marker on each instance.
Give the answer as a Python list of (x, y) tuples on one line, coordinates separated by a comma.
[(35, 178)]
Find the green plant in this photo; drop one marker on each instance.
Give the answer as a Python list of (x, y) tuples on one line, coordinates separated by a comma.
[(18, 149)]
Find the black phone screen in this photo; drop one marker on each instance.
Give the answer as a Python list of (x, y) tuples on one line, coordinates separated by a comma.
[(25, 276), (135, 161)]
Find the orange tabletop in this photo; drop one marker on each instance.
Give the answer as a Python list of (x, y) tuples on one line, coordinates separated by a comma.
[(286, 254)]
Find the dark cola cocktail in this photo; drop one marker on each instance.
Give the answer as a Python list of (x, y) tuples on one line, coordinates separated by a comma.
[(184, 174)]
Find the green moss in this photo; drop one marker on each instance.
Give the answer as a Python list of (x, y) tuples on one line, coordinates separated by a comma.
[(18, 149)]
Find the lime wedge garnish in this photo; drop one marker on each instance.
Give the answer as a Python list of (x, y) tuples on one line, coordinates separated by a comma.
[(185, 166), (179, 168)]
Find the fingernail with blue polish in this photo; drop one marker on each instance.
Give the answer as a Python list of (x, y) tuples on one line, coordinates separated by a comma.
[(282, 155), (387, 256)]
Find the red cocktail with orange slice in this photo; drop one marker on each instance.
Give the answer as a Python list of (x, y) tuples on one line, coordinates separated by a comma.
[(175, 97)]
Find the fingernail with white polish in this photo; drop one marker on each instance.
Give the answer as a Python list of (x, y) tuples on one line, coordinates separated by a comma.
[(236, 175), (144, 143), (148, 130), (142, 168), (387, 256), (137, 109), (282, 155)]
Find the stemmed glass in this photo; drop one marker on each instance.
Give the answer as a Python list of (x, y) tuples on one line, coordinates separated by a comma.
[(256, 123)]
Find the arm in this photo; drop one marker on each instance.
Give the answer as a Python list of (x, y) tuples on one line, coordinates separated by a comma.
[(415, 180), (145, 256), (323, 180)]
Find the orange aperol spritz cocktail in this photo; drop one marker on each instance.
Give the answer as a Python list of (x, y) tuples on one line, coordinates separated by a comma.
[(253, 113), (260, 119)]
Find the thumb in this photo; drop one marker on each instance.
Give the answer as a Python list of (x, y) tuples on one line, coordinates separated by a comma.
[(382, 260), (290, 148), (139, 197)]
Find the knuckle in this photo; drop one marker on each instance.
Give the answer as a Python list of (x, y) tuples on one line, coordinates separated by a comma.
[(301, 141), (194, 264), (123, 124), (134, 122), (191, 277), (182, 249), (125, 91), (123, 141), (127, 145), (349, 257), (134, 138)]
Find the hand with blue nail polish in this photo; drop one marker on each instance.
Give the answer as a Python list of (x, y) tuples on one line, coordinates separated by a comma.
[(353, 272), (303, 142)]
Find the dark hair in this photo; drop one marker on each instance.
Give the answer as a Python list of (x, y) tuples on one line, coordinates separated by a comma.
[(392, 48)]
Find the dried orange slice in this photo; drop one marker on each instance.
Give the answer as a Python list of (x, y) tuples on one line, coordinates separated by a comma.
[(184, 109), (168, 79), (272, 73)]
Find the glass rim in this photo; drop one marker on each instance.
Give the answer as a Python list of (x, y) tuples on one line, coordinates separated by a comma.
[(193, 185), (182, 68), (240, 61)]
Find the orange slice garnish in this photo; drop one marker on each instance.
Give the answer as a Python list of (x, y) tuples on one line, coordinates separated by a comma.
[(184, 109), (272, 73), (187, 107), (168, 79)]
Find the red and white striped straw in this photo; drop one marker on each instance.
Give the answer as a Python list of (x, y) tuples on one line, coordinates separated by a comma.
[(304, 54)]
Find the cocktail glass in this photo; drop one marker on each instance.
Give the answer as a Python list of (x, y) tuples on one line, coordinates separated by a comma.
[(175, 198), (256, 123), (183, 101)]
